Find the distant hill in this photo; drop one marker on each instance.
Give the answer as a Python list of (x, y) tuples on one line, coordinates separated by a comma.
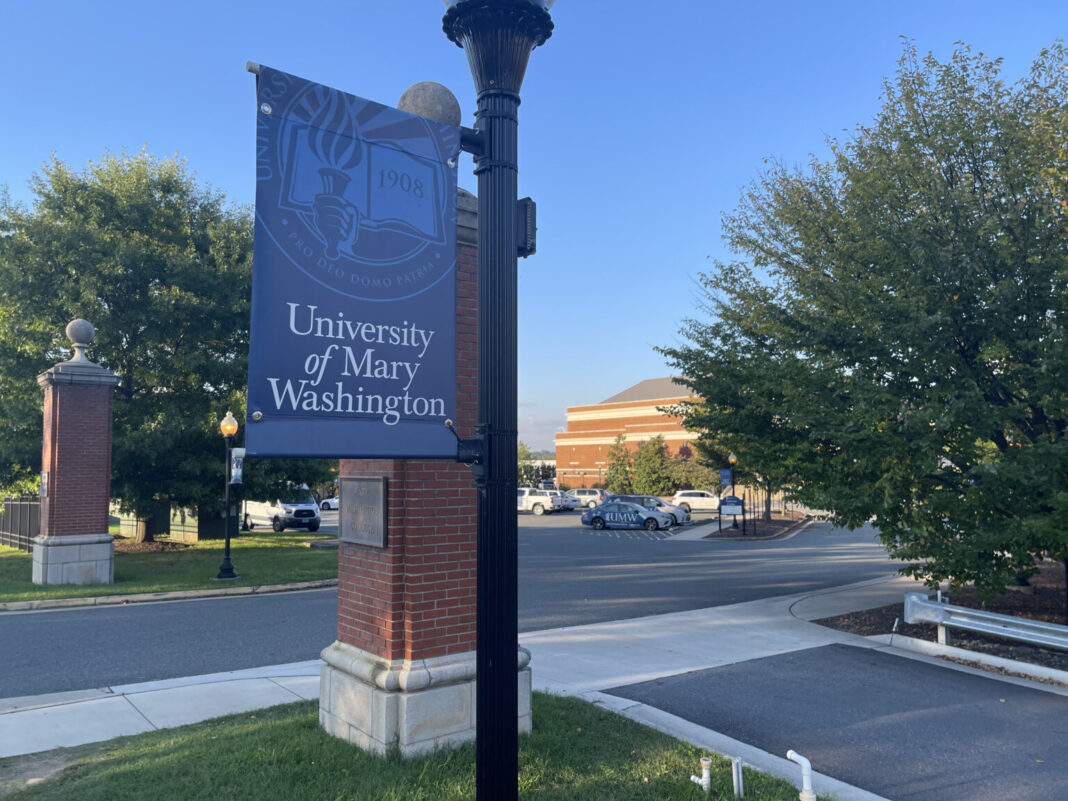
[(543, 454)]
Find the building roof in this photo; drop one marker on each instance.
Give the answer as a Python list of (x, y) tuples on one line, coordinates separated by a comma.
[(651, 389)]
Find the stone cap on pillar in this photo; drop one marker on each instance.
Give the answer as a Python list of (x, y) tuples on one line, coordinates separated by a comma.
[(466, 217), (436, 102), (78, 369)]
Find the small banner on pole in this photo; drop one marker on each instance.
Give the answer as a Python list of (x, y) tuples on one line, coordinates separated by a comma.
[(352, 349), (237, 464)]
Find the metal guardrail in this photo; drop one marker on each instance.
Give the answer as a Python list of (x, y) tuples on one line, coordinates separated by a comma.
[(919, 608)]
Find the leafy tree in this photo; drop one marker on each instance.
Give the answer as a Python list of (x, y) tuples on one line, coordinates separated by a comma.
[(527, 470), (545, 472), (162, 269), (686, 472), (650, 469), (763, 455), (891, 341), (617, 471)]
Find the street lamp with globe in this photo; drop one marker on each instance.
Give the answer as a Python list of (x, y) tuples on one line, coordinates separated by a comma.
[(732, 460), (497, 37), (228, 427)]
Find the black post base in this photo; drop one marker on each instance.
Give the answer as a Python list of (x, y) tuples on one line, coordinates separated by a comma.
[(226, 571)]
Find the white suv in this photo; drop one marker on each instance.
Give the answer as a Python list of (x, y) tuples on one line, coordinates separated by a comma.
[(538, 501), (295, 509), (588, 496), (696, 500)]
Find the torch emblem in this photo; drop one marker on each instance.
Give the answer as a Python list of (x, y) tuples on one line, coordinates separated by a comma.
[(333, 139)]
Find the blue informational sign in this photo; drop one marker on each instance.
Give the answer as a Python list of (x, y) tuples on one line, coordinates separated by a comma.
[(725, 477), (732, 505), (352, 348)]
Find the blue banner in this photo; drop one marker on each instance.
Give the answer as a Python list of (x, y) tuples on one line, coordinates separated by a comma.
[(352, 349)]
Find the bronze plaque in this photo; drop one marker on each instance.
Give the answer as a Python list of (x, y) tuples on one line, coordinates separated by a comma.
[(363, 511)]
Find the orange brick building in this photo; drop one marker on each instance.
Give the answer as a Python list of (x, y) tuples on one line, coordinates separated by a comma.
[(582, 450)]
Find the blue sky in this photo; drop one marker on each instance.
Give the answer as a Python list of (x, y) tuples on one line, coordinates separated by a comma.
[(640, 125)]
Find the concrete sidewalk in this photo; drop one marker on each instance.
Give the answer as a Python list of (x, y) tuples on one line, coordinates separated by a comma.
[(44, 722), (582, 661)]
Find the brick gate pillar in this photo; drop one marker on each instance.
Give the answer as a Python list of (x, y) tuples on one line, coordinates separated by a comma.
[(402, 671), (74, 546)]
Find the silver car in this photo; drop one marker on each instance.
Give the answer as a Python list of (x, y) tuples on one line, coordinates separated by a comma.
[(570, 501), (614, 513), (676, 513)]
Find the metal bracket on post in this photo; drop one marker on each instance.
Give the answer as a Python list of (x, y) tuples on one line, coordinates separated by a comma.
[(473, 141), (470, 452)]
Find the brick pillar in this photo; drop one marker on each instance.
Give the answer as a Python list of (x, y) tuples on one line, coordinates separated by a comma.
[(402, 672), (74, 546)]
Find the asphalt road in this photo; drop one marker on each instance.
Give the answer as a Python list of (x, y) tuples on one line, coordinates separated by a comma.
[(90, 647), (568, 575), (897, 727)]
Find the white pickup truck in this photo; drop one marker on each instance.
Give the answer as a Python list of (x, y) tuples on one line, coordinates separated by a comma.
[(538, 501)]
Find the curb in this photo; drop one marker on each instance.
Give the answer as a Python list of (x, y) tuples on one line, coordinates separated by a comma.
[(782, 535), (149, 597), (1027, 670)]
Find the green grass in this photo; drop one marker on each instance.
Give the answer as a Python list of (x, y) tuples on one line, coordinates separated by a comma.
[(259, 559), (577, 752)]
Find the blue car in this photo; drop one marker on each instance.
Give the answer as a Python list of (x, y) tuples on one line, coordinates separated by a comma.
[(619, 514)]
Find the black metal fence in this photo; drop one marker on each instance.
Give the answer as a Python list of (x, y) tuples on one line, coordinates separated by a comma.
[(20, 522)]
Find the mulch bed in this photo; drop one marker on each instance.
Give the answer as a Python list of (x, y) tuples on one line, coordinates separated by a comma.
[(1042, 599), (763, 529), (125, 545)]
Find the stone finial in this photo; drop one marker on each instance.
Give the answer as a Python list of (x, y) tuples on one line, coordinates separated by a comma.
[(80, 332), (432, 101), (78, 369)]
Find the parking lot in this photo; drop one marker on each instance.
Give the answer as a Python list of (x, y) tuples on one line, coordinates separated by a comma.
[(558, 522)]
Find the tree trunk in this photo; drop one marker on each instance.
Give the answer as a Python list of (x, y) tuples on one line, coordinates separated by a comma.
[(145, 531), (158, 522), (767, 503)]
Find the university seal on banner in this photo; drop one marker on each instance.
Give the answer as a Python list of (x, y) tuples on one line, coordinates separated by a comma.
[(352, 332), (354, 193)]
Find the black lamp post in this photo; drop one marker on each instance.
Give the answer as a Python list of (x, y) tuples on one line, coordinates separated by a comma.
[(732, 460), (497, 37), (228, 427)]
